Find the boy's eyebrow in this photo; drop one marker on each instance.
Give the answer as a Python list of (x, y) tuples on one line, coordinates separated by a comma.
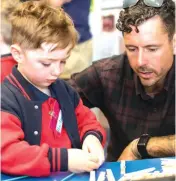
[(52, 59)]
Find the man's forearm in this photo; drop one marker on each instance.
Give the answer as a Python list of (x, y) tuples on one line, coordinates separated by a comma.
[(163, 146)]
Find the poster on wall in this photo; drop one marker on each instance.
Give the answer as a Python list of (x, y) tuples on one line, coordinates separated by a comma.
[(108, 23), (107, 40)]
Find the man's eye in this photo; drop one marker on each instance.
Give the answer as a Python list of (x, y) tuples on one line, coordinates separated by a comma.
[(46, 64), (152, 49), (131, 49)]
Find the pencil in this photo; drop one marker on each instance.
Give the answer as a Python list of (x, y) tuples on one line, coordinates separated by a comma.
[(69, 176), (16, 178)]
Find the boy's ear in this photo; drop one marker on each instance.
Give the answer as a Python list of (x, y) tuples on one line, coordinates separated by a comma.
[(17, 53)]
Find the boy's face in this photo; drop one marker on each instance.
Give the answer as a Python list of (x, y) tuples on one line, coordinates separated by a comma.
[(58, 3), (43, 66)]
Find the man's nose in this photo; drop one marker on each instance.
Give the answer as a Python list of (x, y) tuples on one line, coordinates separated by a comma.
[(141, 59)]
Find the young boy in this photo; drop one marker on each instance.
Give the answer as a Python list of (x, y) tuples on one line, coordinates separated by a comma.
[(45, 126)]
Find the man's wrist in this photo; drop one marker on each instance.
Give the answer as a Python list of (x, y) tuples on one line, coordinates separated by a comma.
[(142, 146), (134, 148)]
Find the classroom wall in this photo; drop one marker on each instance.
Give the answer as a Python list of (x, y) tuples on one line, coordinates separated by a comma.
[(105, 44)]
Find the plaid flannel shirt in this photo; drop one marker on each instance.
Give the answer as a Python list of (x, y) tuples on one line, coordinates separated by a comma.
[(111, 85)]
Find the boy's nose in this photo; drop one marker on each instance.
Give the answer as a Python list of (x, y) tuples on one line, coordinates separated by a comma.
[(56, 71)]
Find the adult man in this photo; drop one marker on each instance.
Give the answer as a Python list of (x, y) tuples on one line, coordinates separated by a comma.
[(136, 90)]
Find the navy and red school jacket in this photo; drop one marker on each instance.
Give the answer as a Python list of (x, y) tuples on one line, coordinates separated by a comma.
[(31, 145)]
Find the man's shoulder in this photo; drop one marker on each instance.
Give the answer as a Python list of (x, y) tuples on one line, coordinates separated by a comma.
[(111, 63), (117, 65)]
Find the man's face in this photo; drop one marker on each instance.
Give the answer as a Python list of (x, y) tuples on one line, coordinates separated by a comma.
[(150, 51), (43, 66)]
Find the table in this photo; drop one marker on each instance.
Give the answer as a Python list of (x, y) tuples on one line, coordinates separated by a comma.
[(131, 166)]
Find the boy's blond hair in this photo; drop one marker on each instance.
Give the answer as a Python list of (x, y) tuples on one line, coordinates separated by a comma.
[(35, 22), (7, 6)]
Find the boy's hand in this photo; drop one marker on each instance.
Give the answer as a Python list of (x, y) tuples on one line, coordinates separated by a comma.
[(81, 161), (92, 145)]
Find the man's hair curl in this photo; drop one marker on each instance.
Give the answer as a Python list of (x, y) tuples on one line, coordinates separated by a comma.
[(140, 12)]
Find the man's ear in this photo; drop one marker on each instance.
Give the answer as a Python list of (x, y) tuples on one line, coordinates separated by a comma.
[(174, 44), (17, 53)]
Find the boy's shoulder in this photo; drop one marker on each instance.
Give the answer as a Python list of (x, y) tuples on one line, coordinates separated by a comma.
[(9, 98), (7, 90), (62, 83), (70, 91), (9, 93)]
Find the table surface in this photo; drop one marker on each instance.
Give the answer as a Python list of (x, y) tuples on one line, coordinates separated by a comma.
[(131, 166)]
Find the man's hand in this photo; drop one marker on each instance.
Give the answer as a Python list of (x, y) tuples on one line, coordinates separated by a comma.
[(162, 146), (81, 161), (130, 152), (93, 146)]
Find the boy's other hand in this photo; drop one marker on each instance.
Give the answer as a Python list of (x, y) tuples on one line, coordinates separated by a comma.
[(92, 145), (81, 161)]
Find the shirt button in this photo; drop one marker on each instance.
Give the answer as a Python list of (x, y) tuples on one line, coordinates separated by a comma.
[(154, 110), (35, 132), (36, 107)]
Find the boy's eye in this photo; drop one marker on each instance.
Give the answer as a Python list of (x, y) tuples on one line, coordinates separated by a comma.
[(46, 64), (62, 62)]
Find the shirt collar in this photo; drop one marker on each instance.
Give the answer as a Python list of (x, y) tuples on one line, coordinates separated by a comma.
[(170, 78), (139, 88)]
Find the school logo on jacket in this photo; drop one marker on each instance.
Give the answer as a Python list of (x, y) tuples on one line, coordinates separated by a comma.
[(56, 118)]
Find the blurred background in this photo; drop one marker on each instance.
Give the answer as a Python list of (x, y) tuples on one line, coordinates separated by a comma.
[(107, 40)]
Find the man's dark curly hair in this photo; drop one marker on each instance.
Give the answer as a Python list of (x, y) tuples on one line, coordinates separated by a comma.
[(140, 12)]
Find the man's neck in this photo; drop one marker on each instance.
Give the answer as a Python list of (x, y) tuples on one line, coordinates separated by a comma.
[(155, 89), (152, 92)]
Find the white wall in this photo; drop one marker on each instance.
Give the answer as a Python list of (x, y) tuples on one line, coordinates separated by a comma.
[(105, 44)]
